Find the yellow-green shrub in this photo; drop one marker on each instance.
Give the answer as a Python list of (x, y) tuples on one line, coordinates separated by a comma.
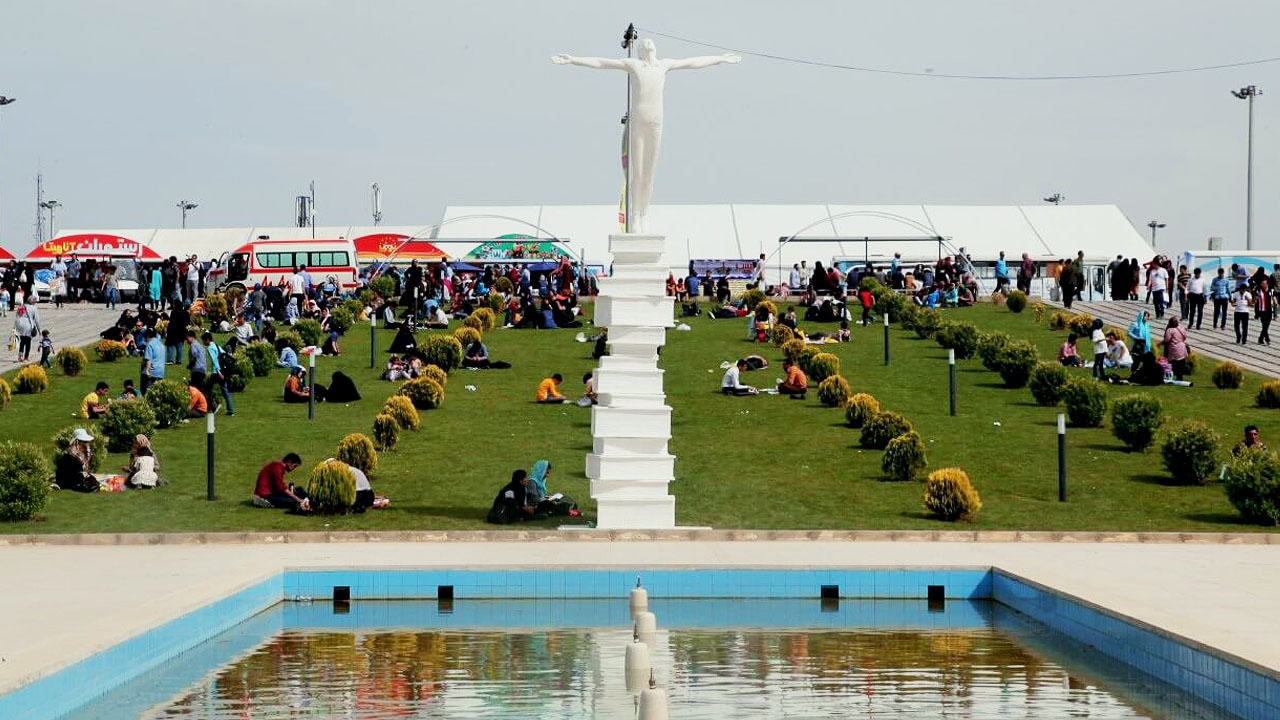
[(443, 351), (31, 379), (834, 391), (1228, 376), (425, 393), (1190, 453), (357, 450), (949, 494), (752, 298), (859, 409), (331, 487), (474, 322), (904, 456), (6, 394), (466, 335), (1268, 394), (782, 335), (71, 360), (385, 431), (487, 316), (792, 349), (110, 350), (24, 481), (882, 427), (820, 366), (435, 373), (401, 408)]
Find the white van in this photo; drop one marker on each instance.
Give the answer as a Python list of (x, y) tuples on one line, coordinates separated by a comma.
[(270, 262)]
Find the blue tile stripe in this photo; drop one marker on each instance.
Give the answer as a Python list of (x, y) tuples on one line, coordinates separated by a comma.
[(1211, 676)]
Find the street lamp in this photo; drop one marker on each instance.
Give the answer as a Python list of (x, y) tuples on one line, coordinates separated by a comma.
[(184, 206), (51, 205), (6, 100), (1154, 225), (1248, 92), (1055, 198)]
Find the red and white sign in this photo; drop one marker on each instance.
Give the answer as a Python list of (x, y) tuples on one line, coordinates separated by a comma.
[(392, 247), (92, 246)]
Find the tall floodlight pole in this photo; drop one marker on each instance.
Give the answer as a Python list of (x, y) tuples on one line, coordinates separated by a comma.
[(1056, 198), (628, 39), (39, 208), (1248, 92), (1154, 225), (5, 101), (51, 206), (313, 209), (377, 204), (184, 206)]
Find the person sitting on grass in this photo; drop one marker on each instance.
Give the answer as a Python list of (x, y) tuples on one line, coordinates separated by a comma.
[(144, 466), (273, 492), (72, 466), (197, 404), (295, 388), (1117, 354), (128, 391), (589, 396), (731, 383), (512, 503), (1067, 354), (330, 346), (477, 355), (1252, 441), (94, 405), (843, 335), (288, 358), (796, 384), (549, 390)]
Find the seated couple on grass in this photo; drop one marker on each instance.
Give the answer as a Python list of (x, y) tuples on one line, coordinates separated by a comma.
[(526, 497), (731, 383)]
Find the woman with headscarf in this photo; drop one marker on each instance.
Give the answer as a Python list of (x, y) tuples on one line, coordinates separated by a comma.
[(511, 503), (1140, 333), (536, 490), (144, 466), (72, 469), (818, 281)]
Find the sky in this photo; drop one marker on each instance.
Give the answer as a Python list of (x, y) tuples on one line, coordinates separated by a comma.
[(127, 107)]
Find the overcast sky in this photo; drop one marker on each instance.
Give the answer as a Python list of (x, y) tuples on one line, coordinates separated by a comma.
[(129, 106)]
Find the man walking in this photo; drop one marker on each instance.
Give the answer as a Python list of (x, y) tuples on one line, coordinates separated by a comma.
[(1002, 272), (1220, 293), (1195, 300), (152, 359), (1158, 282), (1263, 309), (216, 376), (193, 280)]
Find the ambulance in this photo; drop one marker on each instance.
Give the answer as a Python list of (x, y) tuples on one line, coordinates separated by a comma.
[(271, 262)]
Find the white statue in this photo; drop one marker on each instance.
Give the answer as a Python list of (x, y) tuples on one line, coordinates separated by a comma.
[(649, 75)]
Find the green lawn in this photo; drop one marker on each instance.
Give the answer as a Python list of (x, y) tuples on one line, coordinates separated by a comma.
[(757, 462)]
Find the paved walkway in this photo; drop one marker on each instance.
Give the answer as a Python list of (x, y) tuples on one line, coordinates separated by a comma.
[(1220, 343), (74, 325), (68, 602)]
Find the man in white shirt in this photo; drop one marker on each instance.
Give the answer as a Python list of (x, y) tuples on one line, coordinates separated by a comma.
[(1158, 281), (731, 383), (298, 290), (1241, 299), (1117, 353), (193, 279), (795, 281), (1196, 293)]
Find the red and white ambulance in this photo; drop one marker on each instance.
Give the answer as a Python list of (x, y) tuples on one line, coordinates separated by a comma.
[(270, 262)]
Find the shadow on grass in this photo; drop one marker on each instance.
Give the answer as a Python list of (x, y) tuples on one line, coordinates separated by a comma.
[(919, 515), (996, 385), (1156, 480), (1224, 518)]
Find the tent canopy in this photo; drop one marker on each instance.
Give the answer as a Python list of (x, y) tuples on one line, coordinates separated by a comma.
[(5, 254), (92, 245), (395, 248)]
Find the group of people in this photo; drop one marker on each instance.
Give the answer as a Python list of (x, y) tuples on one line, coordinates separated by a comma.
[(1111, 352), (273, 490), (73, 468), (526, 497)]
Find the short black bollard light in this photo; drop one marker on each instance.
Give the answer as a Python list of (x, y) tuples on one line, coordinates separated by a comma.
[(886, 337), (373, 340), (1062, 457), (951, 365), (311, 384), (210, 493)]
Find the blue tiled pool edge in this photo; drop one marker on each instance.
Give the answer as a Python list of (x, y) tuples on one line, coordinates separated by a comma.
[(1232, 684)]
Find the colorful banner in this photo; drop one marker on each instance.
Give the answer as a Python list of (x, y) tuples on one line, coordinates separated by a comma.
[(732, 269), (517, 248), (395, 248), (92, 246)]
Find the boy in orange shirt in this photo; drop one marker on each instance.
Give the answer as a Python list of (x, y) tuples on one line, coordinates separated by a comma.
[(796, 383), (549, 390)]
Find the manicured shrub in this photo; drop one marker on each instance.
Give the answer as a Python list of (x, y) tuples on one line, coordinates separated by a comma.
[(474, 322), (124, 420), (384, 286), (162, 328), (31, 379), (782, 335), (890, 303), (331, 487), (882, 427), (401, 408), (71, 360), (1081, 324), (1017, 360), (423, 392), (262, 358), (237, 368), (1046, 382), (1190, 453), (1086, 401), (834, 391), (385, 431), (341, 320), (926, 323), (504, 285), (6, 394), (288, 338), (998, 298), (25, 473), (1228, 376), (466, 335), (791, 349), (768, 306), (1016, 301), (950, 495), (495, 302), (859, 409), (753, 298), (443, 351), (1191, 362), (1135, 420), (820, 366), (110, 350), (97, 448), (904, 456), (907, 317), (1059, 320), (1038, 309), (168, 401), (357, 450), (990, 346), (435, 373), (355, 306), (216, 308), (959, 336), (1268, 394), (1252, 482), (488, 316), (310, 332)]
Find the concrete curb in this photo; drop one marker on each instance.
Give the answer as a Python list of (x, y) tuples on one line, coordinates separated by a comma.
[(674, 535)]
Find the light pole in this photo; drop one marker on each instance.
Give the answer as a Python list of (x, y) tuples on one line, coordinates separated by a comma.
[(184, 206), (51, 205), (1154, 225), (1248, 92), (1055, 198), (5, 101)]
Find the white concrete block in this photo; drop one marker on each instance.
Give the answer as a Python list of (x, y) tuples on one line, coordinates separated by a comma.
[(625, 334), (636, 513), (631, 422), (625, 468), (626, 400), (629, 248), (628, 446), (634, 311), (631, 381)]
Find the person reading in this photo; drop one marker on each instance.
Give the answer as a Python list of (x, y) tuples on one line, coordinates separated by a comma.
[(197, 404), (731, 383), (295, 389), (549, 390), (272, 491), (796, 384)]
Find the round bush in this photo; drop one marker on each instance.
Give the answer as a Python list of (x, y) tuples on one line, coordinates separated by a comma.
[(907, 317), (959, 336), (821, 366), (424, 393), (355, 306), (990, 347), (1268, 394), (168, 401), (30, 380), (385, 431), (384, 286), (782, 335), (110, 350), (288, 338), (792, 349), (401, 408), (769, 306), (1017, 360), (1059, 320), (1228, 376), (504, 285), (489, 316), (310, 331), (1016, 301), (6, 394), (341, 320), (890, 303), (435, 373), (237, 367), (97, 448), (474, 322), (357, 451), (262, 358), (71, 360), (1081, 324), (1086, 401), (904, 456), (1192, 362), (1190, 453), (443, 351), (124, 420), (882, 427), (1046, 383), (1252, 482), (834, 391), (753, 298), (494, 302), (1135, 420), (466, 335), (926, 322), (949, 495), (217, 307), (860, 409), (331, 487), (25, 473)]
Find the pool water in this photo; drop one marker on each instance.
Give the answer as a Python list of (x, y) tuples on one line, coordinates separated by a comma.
[(716, 659)]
